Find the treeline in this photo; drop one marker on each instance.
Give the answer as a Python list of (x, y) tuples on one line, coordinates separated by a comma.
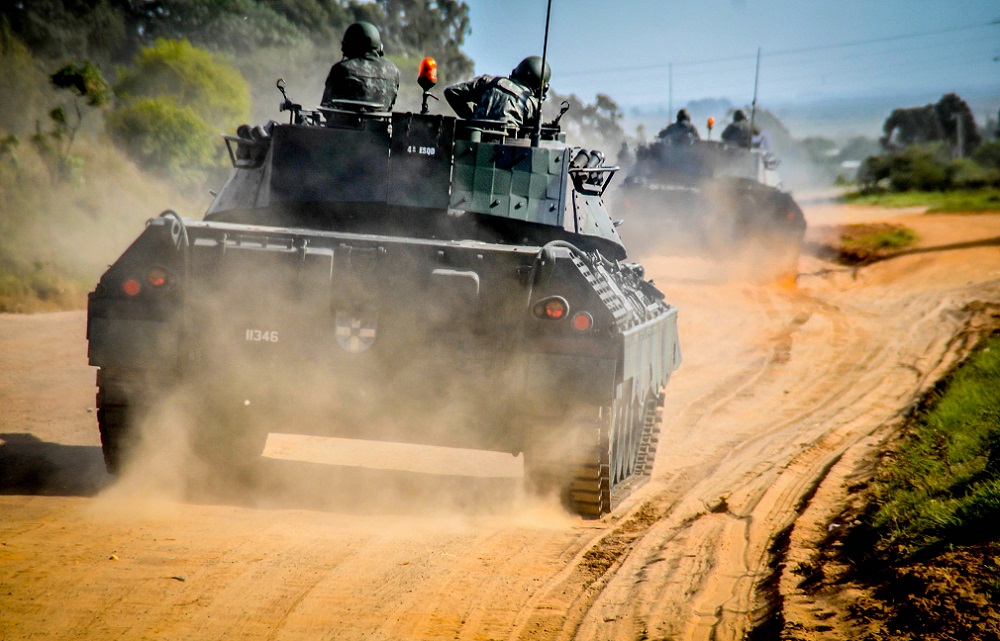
[(88, 85), (936, 147), (261, 39), (114, 31), (169, 75)]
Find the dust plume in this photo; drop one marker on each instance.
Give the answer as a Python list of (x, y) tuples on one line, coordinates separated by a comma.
[(703, 233), (304, 420)]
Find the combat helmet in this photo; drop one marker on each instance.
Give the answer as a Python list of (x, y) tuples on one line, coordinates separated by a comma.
[(739, 116), (683, 115), (359, 39), (528, 72)]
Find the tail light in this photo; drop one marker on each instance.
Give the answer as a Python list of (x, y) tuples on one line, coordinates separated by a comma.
[(156, 276), (131, 287), (551, 308), (582, 321)]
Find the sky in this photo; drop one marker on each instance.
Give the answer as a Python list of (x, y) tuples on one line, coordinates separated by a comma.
[(668, 52)]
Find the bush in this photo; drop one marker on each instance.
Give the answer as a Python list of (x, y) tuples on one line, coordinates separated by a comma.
[(873, 173), (193, 77), (965, 173), (159, 133), (172, 103), (917, 168), (988, 155)]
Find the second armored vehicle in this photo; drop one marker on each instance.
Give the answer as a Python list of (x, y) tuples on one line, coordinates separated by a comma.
[(709, 197)]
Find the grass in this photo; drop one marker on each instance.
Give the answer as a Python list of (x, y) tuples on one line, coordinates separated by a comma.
[(925, 550), (941, 488), (972, 200), (866, 242)]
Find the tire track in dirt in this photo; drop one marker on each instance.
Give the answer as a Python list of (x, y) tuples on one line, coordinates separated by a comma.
[(749, 520), (776, 386)]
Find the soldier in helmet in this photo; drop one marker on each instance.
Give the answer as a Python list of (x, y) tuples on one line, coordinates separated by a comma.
[(682, 131), (738, 131), (364, 74), (512, 99)]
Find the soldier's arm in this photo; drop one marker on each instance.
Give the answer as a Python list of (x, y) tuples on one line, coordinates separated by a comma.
[(462, 97), (334, 83), (395, 85)]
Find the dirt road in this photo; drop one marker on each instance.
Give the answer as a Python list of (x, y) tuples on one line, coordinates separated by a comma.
[(339, 540)]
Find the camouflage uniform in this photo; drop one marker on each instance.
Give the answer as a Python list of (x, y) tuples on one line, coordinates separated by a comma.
[(363, 75), (680, 132), (368, 78), (494, 98), (738, 131)]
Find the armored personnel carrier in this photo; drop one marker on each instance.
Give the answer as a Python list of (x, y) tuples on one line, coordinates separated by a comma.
[(710, 197), (409, 277)]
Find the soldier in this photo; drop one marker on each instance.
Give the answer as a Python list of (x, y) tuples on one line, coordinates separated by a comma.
[(738, 131), (682, 131), (364, 74), (513, 100)]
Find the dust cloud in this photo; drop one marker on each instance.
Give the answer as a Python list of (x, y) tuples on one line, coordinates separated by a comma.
[(695, 240), (300, 421)]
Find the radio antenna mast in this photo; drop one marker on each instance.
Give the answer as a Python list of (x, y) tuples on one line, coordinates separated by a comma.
[(753, 105), (541, 87)]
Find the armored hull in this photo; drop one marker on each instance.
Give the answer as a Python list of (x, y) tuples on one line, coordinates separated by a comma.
[(403, 277), (710, 197)]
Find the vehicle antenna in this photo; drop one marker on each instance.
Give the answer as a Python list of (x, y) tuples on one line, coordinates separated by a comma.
[(541, 87), (753, 105)]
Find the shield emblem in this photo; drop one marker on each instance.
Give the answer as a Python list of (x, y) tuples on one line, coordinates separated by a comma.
[(354, 332)]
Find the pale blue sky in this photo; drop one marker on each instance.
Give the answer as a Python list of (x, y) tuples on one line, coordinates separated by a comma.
[(809, 48)]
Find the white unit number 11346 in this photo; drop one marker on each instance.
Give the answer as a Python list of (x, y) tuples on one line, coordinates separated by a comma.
[(262, 335)]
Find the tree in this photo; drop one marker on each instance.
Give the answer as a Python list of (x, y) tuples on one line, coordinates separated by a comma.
[(419, 28), (60, 29), (193, 77), (911, 126), (956, 118), (161, 134), (172, 101), (932, 123), (596, 125), (85, 82)]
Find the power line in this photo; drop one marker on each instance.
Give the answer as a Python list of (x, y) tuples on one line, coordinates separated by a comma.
[(779, 52)]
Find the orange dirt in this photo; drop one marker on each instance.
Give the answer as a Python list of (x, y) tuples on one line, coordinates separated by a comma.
[(783, 390)]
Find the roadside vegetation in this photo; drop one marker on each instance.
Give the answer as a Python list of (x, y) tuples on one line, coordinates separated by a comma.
[(863, 243), (110, 113), (941, 487), (915, 556), (933, 156), (927, 544), (955, 201)]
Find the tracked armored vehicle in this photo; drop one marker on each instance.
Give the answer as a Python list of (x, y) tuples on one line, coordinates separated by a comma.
[(400, 276), (709, 197)]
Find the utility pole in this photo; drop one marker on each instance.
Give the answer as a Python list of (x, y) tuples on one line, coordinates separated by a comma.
[(670, 91), (961, 139)]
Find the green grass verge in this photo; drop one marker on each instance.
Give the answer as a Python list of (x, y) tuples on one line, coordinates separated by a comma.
[(875, 238), (942, 485), (936, 201), (863, 243)]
